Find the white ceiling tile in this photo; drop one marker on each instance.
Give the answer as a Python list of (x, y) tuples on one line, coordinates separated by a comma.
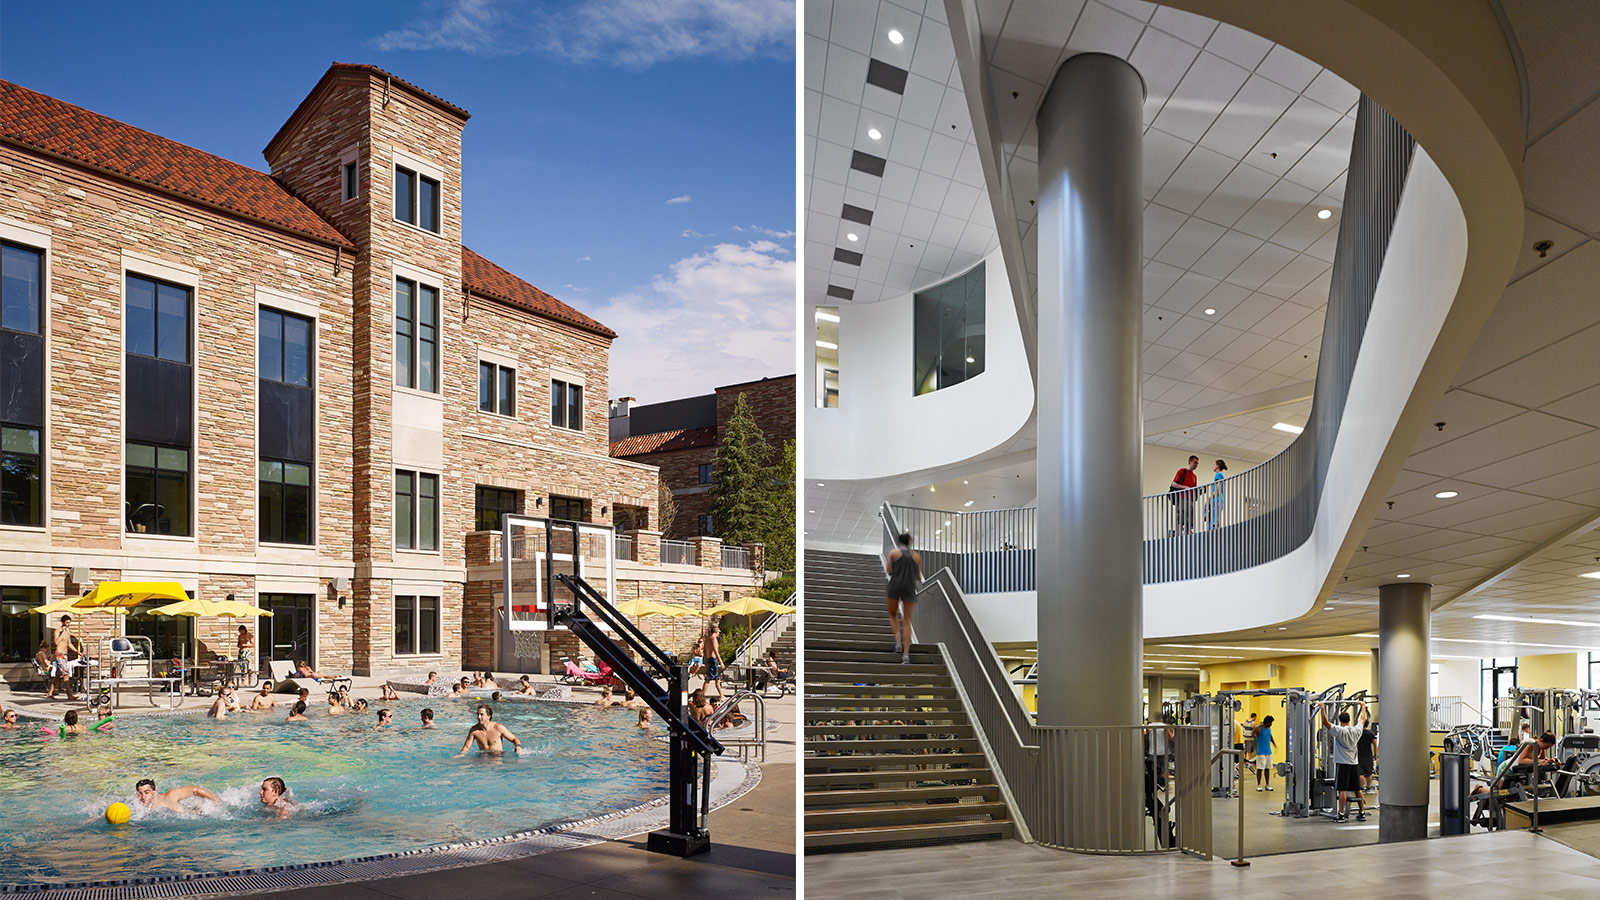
[(1493, 443), (1101, 29), (818, 15), (816, 63), (1281, 203), (1584, 406), (1156, 322), (1186, 291), (1201, 97), (1223, 298), (1162, 155), (909, 24), (1034, 34), (1249, 114), (954, 120), (943, 154), (1194, 180), (908, 146), (1255, 272), (1539, 378), (1462, 412), (852, 26), (1333, 92), (1249, 311), (846, 74), (827, 197), (934, 55), (1243, 347), (1327, 160), (1158, 277), (1238, 46), (1187, 26), (920, 103), (1138, 9), (1215, 338), (890, 214), (1304, 229), (1156, 356), (1232, 249), (962, 200), (1242, 189), (1161, 60), (1289, 69), (1190, 243), (1276, 322), (1564, 72), (837, 122), (1326, 247), (1537, 228), (947, 231), (1537, 311), (1181, 365), (1181, 333), (832, 158), (899, 181), (1294, 276), (1296, 132), (1160, 224), (918, 224), (969, 171)]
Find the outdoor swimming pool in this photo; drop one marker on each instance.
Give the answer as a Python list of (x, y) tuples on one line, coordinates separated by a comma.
[(362, 793)]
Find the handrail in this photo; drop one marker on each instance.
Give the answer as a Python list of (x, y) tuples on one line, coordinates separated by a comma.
[(749, 648), (758, 719)]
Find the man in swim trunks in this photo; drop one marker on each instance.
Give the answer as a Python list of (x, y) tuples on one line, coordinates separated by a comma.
[(525, 686), (335, 708), (264, 699), (272, 797), (65, 648), (169, 799), (488, 733)]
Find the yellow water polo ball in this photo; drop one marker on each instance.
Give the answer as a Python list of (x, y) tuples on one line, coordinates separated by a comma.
[(118, 813)]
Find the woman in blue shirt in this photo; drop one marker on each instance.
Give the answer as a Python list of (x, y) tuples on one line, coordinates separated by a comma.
[(1214, 509), (1264, 745)]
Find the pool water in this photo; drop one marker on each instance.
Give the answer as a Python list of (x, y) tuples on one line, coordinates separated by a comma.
[(361, 792)]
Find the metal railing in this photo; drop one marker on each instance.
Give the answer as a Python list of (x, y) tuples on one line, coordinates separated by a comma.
[(678, 552), (759, 640), (1074, 788), (758, 719), (1444, 713), (624, 547), (735, 558)]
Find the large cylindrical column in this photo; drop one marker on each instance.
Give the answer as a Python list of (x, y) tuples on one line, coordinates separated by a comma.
[(1403, 614), (1091, 426)]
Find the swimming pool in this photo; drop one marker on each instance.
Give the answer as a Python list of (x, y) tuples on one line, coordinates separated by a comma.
[(361, 792)]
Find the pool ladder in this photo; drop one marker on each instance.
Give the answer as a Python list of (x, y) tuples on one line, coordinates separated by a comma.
[(758, 740)]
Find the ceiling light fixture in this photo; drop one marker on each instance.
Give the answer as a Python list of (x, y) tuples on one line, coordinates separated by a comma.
[(1403, 575), (969, 503), (895, 37), (932, 489), (1445, 495), (1285, 426), (947, 523), (1324, 213), (852, 237), (963, 482), (812, 511), (971, 360), (1590, 575), (820, 484), (826, 316), (827, 345), (875, 134), (1210, 311), (1271, 649), (1533, 621)]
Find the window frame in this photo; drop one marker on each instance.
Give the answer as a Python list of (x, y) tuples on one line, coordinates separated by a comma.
[(416, 177), (38, 456), (262, 311), (283, 504), (704, 474), (350, 180), (39, 301), (417, 612), (188, 330), (478, 507), (704, 527), (493, 391), (583, 508), (415, 497), (561, 412), (155, 473), (409, 345)]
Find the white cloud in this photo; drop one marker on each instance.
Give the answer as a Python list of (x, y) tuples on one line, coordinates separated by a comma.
[(720, 316), (769, 232), (585, 259), (633, 34), (681, 198)]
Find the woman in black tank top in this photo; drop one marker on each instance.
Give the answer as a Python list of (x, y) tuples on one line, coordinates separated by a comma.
[(905, 573)]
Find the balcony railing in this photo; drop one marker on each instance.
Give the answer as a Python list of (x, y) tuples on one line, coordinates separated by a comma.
[(680, 553), (735, 558), (624, 547)]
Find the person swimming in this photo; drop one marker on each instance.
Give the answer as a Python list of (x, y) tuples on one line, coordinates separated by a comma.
[(147, 794), (525, 686), (272, 797), (335, 708), (606, 701), (385, 719), (9, 720), (223, 704), (389, 693), (297, 713), (488, 733), (264, 699), (427, 718), (644, 717)]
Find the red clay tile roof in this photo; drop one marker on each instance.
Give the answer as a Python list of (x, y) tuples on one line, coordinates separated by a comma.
[(336, 68), (31, 119), (489, 280), (665, 441)]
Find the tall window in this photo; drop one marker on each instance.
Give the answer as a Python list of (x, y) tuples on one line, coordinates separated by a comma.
[(285, 512), (569, 509), (158, 319), (948, 332), (705, 473), (416, 335), (703, 524), (416, 199), (158, 489), (20, 630), (416, 626), (566, 405), (157, 399), (22, 380), (286, 429), (497, 389), (285, 348), (416, 510), (491, 505), (352, 184)]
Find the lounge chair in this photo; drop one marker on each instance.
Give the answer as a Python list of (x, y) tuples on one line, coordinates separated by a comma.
[(289, 682)]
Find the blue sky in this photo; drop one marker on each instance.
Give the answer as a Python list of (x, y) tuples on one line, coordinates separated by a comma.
[(635, 158)]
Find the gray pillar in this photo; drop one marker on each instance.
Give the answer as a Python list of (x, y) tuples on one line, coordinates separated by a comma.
[(1403, 613), (1091, 426)]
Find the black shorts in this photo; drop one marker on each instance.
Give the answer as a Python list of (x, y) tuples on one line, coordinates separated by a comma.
[(1366, 767), (1347, 777), (903, 594)]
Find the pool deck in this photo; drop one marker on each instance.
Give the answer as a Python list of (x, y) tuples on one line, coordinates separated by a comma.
[(752, 854)]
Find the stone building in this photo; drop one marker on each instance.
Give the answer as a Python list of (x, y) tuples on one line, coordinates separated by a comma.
[(298, 388)]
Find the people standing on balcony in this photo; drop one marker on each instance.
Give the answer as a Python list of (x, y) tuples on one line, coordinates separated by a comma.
[(1214, 505), (1182, 494), (905, 573)]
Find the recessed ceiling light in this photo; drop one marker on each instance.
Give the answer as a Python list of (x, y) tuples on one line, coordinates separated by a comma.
[(827, 316), (1403, 575), (963, 482), (1590, 575), (895, 37), (875, 134), (1210, 311), (969, 503), (1285, 426), (1324, 213), (852, 236), (827, 345), (812, 511), (820, 484), (932, 489), (1445, 495), (970, 360), (1283, 628), (1533, 621)]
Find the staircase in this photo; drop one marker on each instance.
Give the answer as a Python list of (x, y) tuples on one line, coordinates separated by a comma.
[(891, 759), (783, 647)]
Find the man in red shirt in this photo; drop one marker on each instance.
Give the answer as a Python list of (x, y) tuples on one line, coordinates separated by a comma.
[(1184, 482)]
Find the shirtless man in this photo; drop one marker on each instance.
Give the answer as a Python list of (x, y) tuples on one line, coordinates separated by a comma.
[(433, 678), (264, 699), (302, 670), (297, 713), (10, 719), (272, 797), (385, 719), (525, 686), (223, 703), (488, 734), (427, 718), (65, 647), (630, 700), (335, 708), (462, 689), (169, 799)]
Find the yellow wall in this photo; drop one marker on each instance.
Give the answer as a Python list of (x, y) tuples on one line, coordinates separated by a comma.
[(1550, 670), (1313, 672)]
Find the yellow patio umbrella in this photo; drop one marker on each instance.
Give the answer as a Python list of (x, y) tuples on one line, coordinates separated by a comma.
[(747, 606), (640, 607), (238, 609), (193, 607)]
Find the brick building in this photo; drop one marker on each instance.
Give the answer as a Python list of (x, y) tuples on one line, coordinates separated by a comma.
[(300, 389), (680, 437)]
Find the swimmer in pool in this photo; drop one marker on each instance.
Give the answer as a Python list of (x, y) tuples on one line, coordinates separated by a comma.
[(389, 693), (427, 718), (10, 719), (630, 700), (71, 725), (170, 798), (272, 797), (644, 717), (297, 713), (385, 719), (264, 699), (525, 686), (606, 701), (462, 689), (488, 733), (224, 702), (335, 708)]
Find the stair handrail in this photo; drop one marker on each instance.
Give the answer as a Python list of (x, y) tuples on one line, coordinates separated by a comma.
[(749, 648), (758, 718)]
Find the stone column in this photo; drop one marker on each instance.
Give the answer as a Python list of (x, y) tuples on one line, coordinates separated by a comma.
[(707, 552), (1403, 615), (646, 547), (1091, 427)]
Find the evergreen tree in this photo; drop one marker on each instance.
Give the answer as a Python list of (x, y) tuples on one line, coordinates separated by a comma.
[(742, 501), (780, 539)]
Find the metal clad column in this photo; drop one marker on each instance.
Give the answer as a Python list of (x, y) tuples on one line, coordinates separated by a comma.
[(1403, 613), (1091, 427)]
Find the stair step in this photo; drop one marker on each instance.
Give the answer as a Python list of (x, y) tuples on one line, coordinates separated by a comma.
[(814, 644), (826, 781), (900, 795), (856, 707), (877, 762), (864, 731), (815, 679), (927, 720), (873, 746), (883, 655), (908, 814), (908, 835), (830, 693), (834, 670)]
